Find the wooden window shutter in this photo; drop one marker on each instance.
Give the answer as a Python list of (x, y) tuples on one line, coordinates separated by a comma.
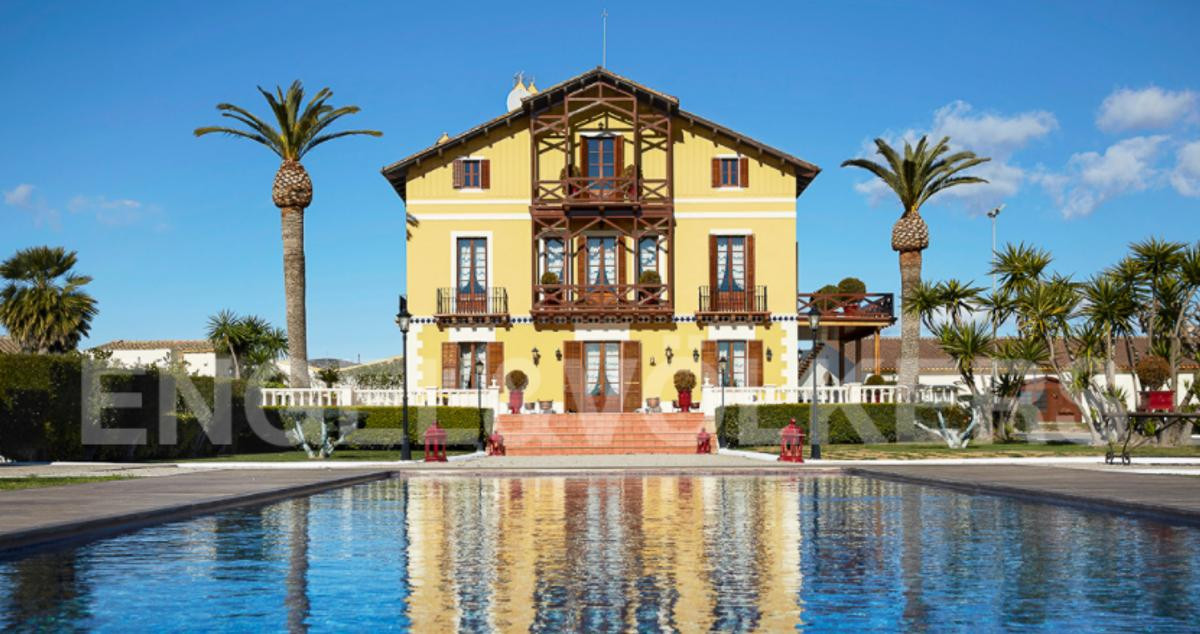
[(580, 261), (495, 364), (743, 172), (754, 363), (485, 174), (618, 155), (631, 374), (621, 257), (708, 363), (583, 156), (458, 173), (712, 264), (716, 173), (450, 366), (572, 375), (750, 265)]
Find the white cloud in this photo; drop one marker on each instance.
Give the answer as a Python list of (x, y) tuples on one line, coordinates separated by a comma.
[(1149, 108), (22, 197), (1186, 176), (1092, 178), (112, 212), (987, 134)]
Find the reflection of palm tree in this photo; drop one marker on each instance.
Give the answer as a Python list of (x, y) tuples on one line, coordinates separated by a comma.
[(297, 577), (46, 592)]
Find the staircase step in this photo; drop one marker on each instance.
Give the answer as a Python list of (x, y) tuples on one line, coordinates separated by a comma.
[(600, 433)]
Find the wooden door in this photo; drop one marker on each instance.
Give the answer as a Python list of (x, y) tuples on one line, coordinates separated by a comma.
[(601, 376), (471, 286), (729, 274), (604, 270)]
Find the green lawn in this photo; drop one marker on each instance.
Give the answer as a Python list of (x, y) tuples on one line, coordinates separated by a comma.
[(913, 451), (381, 455), (35, 482)]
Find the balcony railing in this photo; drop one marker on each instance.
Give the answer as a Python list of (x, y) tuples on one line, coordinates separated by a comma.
[(584, 191), (640, 302), (847, 393), (489, 306), (745, 305), (848, 306)]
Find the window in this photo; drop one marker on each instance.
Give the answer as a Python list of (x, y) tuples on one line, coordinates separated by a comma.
[(647, 250), (731, 263), (601, 260), (472, 266), (552, 257), (730, 171), (468, 355), (472, 174), (602, 364), (600, 160), (734, 353)]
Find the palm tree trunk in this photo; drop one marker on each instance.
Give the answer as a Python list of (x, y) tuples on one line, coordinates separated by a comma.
[(294, 290), (910, 324)]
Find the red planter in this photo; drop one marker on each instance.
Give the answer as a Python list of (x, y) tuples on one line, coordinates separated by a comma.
[(685, 401), (516, 399), (1158, 401)]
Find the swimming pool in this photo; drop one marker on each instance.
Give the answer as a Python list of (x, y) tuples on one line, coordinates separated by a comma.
[(649, 553)]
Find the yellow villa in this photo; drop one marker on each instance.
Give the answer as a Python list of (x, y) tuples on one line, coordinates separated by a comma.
[(599, 237)]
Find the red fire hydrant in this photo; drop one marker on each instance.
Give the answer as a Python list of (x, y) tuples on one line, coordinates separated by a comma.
[(435, 444), (791, 443), (703, 442), (495, 444)]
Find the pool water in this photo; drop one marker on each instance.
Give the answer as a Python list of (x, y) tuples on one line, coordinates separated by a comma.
[(619, 553)]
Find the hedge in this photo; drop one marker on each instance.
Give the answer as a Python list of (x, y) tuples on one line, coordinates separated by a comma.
[(851, 423), (381, 427)]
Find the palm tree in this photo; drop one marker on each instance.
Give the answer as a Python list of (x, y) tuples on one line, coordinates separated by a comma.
[(300, 129), (43, 306), (225, 330), (916, 177)]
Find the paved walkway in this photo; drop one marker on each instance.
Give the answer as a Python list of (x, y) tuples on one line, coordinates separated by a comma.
[(33, 516), (1171, 497)]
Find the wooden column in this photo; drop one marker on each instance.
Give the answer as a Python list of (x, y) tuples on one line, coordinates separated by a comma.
[(858, 360), (877, 361)]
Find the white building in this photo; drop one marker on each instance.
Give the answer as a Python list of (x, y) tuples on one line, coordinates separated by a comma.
[(197, 355)]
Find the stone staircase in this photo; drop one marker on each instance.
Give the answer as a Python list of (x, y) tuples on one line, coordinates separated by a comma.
[(617, 433), (807, 359)]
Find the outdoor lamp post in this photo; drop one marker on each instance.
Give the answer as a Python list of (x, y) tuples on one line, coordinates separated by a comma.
[(814, 323), (722, 363), (993, 214), (479, 403), (404, 320)]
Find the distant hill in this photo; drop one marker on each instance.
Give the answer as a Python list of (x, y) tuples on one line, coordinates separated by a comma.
[(328, 363)]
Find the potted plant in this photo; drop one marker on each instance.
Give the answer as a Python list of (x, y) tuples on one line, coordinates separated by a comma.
[(823, 300), (547, 407), (856, 289), (685, 380), (1153, 372), (650, 284), (550, 278), (516, 382), (653, 404)]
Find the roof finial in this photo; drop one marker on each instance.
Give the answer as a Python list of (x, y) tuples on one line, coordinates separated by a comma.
[(604, 39)]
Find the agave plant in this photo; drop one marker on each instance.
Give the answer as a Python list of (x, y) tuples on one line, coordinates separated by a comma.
[(44, 305)]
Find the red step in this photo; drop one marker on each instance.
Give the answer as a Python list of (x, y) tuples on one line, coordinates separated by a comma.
[(615, 433)]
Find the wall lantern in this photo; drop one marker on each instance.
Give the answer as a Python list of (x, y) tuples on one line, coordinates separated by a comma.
[(769, 355), (537, 356), (652, 363), (670, 354), (558, 354), (695, 355)]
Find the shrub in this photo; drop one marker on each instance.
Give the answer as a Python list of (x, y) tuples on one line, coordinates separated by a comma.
[(1153, 372), (875, 379), (382, 426), (852, 285), (649, 277), (329, 376), (751, 425), (549, 277), (685, 380), (825, 304), (516, 381)]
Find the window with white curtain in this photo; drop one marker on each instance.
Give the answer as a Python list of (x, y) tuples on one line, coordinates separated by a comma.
[(552, 257), (734, 353), (602, 260), (731, 263)]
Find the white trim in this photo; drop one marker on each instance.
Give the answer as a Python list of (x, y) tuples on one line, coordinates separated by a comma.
[(725, 199), (729, 188), (488, 242), (412, 365), (585, 332), (455, 201), (472, 334), (730, 232), (730, 215), (735, 332), (497, 216)]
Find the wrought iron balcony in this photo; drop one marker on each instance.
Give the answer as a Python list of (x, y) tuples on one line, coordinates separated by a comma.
[(747, 305), (487, 306), (848, 307), (601, 302)]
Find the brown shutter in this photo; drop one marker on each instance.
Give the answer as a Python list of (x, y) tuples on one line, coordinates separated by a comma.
[(708, 363), (485, 174), (580, 261), (631, 374), (449, 366), (495, 364), (621, 257), (754, 363), (712, 265), (743, 172), (458, 173), (716, 173), (572, 375), (618, 155), (750, 269), (583, 156)]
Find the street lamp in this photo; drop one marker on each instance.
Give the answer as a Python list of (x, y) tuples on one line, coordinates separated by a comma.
[(479, 402), (722, 363), (814, 323), (404, 320), (993, 214)]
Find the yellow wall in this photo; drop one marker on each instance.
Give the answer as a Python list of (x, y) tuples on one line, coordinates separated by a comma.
[(766, 208)]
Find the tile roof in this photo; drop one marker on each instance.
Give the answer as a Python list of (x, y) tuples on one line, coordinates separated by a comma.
[(180, 345), (934, 361), (8, 346)]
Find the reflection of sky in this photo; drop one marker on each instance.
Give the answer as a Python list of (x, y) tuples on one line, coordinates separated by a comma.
[(731, 553)]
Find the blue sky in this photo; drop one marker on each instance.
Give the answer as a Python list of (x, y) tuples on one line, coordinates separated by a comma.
[(1090, 109)]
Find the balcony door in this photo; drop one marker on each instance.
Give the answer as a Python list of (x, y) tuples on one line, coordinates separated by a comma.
[(600, 160), (731, 272), (471, 288), (603, 270)]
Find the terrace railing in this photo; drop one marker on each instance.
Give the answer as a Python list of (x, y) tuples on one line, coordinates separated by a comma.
[(848, 306), (634, 301), (352, 397), (850, 393), (584, 191), (718, 305), (487, 306)]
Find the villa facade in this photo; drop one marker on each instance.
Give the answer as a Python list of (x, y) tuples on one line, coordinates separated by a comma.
[(600, 238)]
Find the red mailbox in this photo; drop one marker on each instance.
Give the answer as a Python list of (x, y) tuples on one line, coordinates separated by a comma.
[(703, 442), (435, 444), (791, 443), (495, 445)]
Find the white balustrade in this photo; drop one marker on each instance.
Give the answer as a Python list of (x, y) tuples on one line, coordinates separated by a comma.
[(711, 396), (346, 397)]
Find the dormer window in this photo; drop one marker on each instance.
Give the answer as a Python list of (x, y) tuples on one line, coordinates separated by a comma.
[(730, 171), (472, 173)]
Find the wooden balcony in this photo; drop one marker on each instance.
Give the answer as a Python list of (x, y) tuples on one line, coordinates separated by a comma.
[(749, 305), (610, 192), (563, 303), (489, 307), (854, 314)]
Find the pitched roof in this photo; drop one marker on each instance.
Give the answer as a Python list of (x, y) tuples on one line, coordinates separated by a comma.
[(933, 360), (179, 345), (8, 346), (396, 172)]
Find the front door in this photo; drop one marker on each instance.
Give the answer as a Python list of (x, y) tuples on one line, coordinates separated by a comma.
[(601, 377)]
